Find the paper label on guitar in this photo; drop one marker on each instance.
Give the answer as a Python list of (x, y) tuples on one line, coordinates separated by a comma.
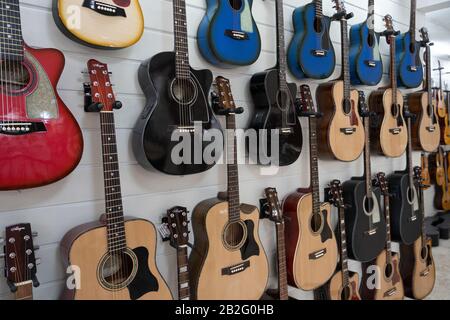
[(246, 19), (376, 218)]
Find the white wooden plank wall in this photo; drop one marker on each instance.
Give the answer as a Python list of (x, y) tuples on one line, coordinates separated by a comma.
[(77, 199)]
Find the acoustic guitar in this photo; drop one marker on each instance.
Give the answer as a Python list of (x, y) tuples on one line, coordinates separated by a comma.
[(445, 123), (311, 244), (439, 94), (279, 133), (40, 140), (20, 260), (341, 130), (425, 165), (228, 261), (410, 68), (177, 109), (275, 214), (417, 263), (388, 284), (106, 24), (366, 65), (387, 103), (365, 223), (311, 51), (116, 255), (344, 284), (442, 190), (426, 132), (228, 34)]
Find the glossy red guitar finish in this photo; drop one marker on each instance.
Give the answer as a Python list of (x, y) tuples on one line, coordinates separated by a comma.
[(38, 158)]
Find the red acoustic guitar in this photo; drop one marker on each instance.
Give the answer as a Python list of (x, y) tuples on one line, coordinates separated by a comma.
[(40, 141)]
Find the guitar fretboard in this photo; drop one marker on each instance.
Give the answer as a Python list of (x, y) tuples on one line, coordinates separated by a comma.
[(319, 9), (393, 69), (387, 213), (412, 28), (367, 164), (314, 161), (113, 193), (181, 39), (344, 255), (11, 41), (281, 52), (234, 204), (281, 256), (184, 290), (345, 59), (409, 160), (24, 291)]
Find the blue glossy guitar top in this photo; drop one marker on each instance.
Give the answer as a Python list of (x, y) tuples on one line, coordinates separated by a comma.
[(228, 34), (311, 52), (366, 65), (410, 67)]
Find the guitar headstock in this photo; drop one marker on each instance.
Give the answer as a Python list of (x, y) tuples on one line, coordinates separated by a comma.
[(274, 208), (418, 174), (223, 99), (382, 183), (178, 225), (388, 22), (341, 11), (336, 194), (20, 260), (362, 104), (101, 94), (425, 36), (306, 99)]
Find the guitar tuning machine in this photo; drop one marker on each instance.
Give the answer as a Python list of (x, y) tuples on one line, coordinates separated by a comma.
[(89, 105)]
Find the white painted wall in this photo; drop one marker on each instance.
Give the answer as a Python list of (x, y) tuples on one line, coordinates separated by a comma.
[(77, 199)]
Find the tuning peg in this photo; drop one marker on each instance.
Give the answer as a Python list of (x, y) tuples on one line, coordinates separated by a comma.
[(12, 286), (2, 255), (2, 240), (36, 248), (38, 261), (84, 72), (35, 234), (117, 105), (35, 281)]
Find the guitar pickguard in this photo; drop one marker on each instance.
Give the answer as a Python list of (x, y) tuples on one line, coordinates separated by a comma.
[(327, 233), (144, 281), (250, 248)]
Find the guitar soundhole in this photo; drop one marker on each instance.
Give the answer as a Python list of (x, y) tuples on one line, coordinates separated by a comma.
[(318, 25), (117, 270), (388, 271), (316, 222), (235, 235), (395, 110), (371, 40), (283, 100), (15, 76), (347, 105), (346, 293), (236, 4), (411, 196), (412, 48), (368, 205), (184, 91), (424, 253)]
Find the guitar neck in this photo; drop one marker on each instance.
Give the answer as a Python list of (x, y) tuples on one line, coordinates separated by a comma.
[(409, 166), (387, 213), (281, 257), (184, 290), (281, 50), (367, 164), (345, 59), (314, 156), (181, 39), (412, 28), (371, 12), (12, 48), (393, 69), (343, 247), (319, 8), (234, 204), (24, 291), (113, 193)]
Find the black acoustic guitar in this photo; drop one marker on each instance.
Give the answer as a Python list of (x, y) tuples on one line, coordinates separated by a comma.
[(365, 223), (177, 108), (274, 100), (404, 201)]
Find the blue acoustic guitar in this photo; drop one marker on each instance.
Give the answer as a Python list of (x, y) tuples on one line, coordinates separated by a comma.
[(311, 52), (410, 68), (228, 34), (366, 65)]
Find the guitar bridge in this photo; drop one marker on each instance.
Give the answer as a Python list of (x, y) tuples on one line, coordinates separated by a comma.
[(390, 292), (431, 128), (348, 131), (371, 63), (318, 254), (21, 128), (286, 131), (229, 271), (236, 35), (395, 131), (105, 9), (412, 68), (425, 272), (413, 218), (319, 53), (371, 232)]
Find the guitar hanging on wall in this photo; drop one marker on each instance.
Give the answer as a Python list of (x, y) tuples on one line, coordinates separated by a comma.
[(177, 109), (117, 255), (366, 65), (228, 34), (105, 24), (311, 51), (40, 140)]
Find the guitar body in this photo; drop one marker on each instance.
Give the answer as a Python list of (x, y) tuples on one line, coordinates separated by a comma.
[(426, 133), (218, 273), (303, 60), (392, 133), (442, 198), (336, 290), (362, 244), (86, 247), (445, 134), (311, 254), (97, 27), (440, 104), (408, 60), (418, 269), (52, 145), (332, 141), (162, 116), (404, 206), (269, 104), (228, 34), (390, 284), (366, 66)]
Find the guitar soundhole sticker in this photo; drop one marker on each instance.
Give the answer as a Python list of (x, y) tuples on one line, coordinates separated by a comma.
[(236, 4), (235, 235), (117, 270)]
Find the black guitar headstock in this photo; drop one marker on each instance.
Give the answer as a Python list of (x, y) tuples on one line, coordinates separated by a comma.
[(274, 208), (425, 36), (178, 225), (382, 183), (336, 194), (341, 11), (390, 31)]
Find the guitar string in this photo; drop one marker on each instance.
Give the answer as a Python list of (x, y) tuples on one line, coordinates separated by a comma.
[(5, 66), (21, 64), (16, 64), (8, 74), (3, 92)]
